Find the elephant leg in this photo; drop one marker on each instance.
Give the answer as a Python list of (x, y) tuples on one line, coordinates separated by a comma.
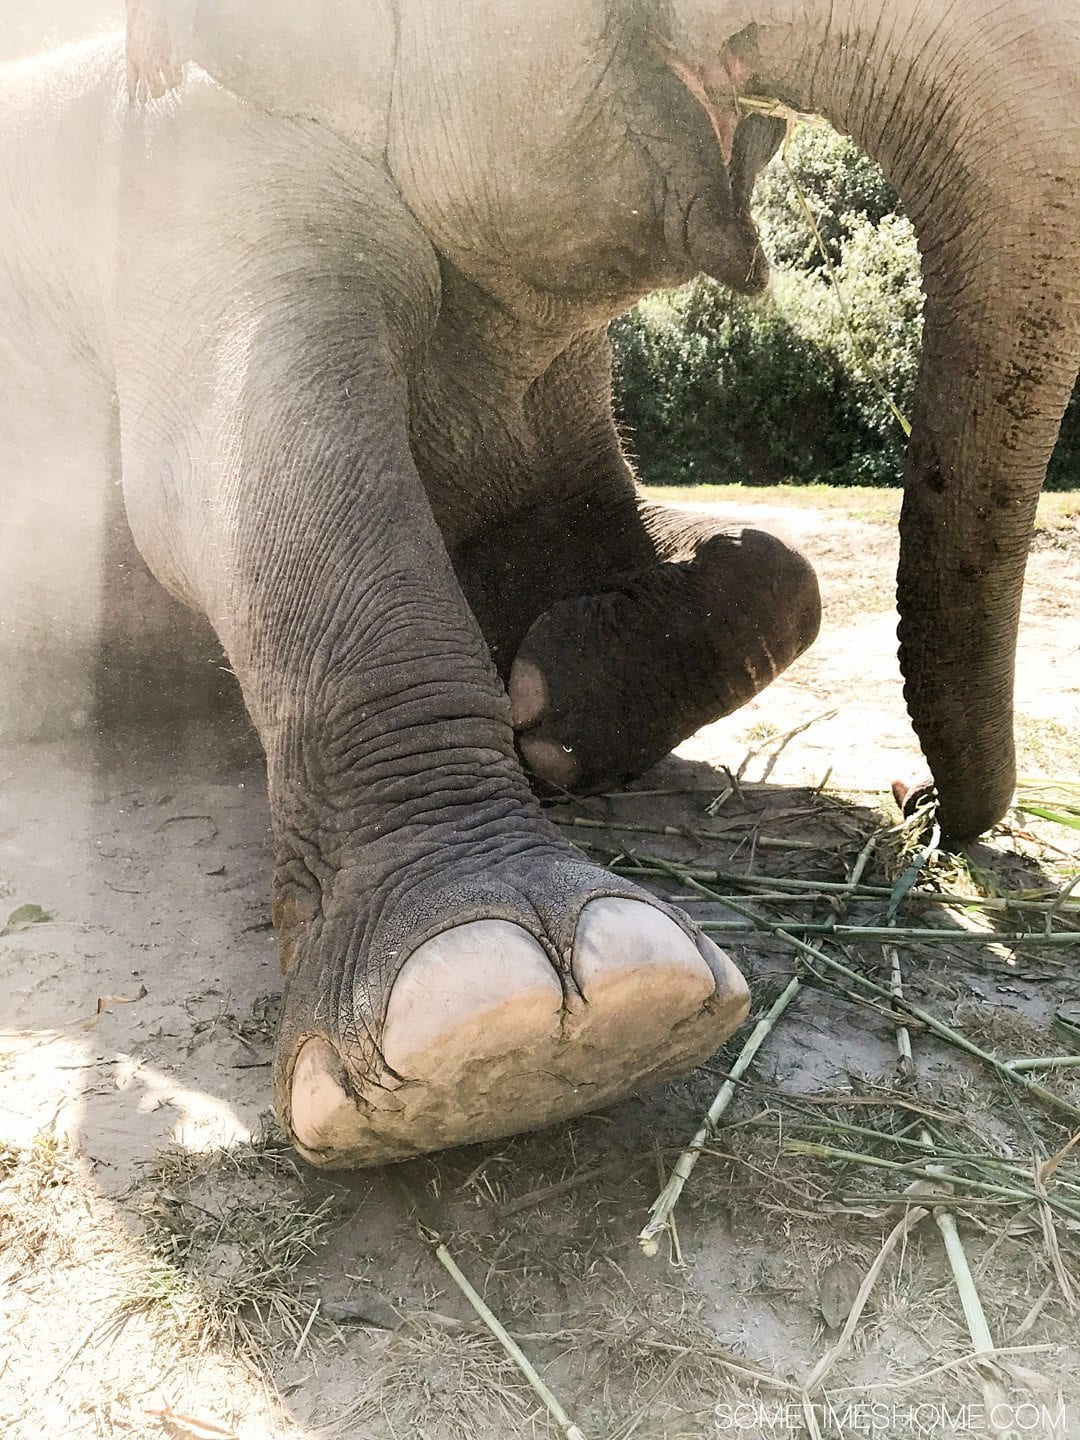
[(453, 969), (671, 623)]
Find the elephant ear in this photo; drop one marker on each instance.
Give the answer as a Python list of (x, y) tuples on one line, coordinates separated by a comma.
[(327, 60)]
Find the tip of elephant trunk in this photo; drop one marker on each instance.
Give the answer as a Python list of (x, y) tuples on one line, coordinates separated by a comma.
[(727, 250)]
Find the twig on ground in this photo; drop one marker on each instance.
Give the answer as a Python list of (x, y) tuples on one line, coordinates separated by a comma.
[(972, 1358), (546, 1192), (994, 1392), (829, 1359), (1053, 1249), (664, 1204), (731, 1362), (1047, 1168), (939, 1027), (306, 1330), (550, 1401), (775, 746), (195, 1425)]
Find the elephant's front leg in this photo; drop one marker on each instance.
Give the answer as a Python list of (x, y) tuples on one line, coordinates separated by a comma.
[(606, 682), (454, 971)]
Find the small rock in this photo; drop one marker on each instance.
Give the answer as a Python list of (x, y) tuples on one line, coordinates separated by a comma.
[(363, 1307), (837, 1289)]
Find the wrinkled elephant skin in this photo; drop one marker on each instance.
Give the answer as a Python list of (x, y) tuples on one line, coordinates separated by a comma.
[(329, 303)]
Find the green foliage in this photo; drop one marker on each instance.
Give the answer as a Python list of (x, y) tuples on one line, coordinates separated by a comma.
[(839, 183), (796, 386), (1064, 470), (23, 917)]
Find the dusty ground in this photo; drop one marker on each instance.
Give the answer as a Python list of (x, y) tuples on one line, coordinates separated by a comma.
[(161, 1255)]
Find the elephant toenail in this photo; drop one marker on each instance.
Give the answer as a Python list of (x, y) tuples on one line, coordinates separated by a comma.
[(553, 763), (529, 694)]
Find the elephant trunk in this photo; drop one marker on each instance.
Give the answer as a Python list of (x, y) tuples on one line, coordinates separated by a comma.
[(975, 118)]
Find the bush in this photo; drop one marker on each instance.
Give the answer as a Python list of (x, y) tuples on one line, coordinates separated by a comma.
[(712, 387), (839, 183)]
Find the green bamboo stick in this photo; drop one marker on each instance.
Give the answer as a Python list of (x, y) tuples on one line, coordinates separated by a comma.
[(647, 864), (684, 832), (662, 1207), (917, 935), (939, 1028), (923, 1198), (930, 1148), (501, 1334), (871, 932), (908, 1167)]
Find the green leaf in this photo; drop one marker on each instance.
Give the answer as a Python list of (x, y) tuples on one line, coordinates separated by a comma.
[(23, 917), (1067, 815)]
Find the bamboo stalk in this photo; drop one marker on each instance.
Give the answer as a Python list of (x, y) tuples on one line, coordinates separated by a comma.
[(927, 1198), (865, 932), (684, 832), (501, 1334), (982, 1342), (661, 1210), (943, 1031), (905, 1142), (918, 936), (1015, 1193), (649, 864)]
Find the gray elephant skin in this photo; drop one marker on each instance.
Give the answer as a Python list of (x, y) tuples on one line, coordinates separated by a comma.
[(326, 307)]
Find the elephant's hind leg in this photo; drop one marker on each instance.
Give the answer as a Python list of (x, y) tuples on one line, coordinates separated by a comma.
[(605, 684)]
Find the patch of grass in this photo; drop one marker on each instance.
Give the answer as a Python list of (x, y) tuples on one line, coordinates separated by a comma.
[(228, 1237), (437, 1383), (1057, 508), (880, 506), (1006, 1031), (36, 1185), (761, 730)]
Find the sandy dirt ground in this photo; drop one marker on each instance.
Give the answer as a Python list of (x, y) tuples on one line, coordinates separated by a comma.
[(167, 1268)]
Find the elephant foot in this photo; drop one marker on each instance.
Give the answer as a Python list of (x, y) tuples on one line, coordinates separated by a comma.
[(484, 1037), (603, 686)]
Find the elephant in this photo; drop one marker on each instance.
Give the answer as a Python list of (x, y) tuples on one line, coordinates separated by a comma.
[(334, 296)]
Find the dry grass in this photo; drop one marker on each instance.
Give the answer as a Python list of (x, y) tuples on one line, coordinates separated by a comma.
[(1057, 509), (440, 1383), (65, 1253), (37, 1183), (228, 1238)]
